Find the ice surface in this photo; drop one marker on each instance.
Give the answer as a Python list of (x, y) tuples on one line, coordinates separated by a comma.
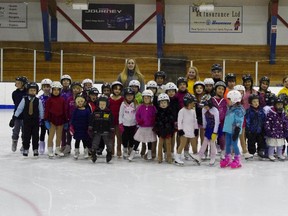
[(67, 187)]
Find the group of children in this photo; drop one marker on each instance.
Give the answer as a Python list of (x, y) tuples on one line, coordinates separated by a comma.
[(165, 115)]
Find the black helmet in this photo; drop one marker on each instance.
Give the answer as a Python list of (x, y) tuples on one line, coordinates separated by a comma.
[(284, 98), (247, 77), (279, 100), (103, 98), (264, 78), (105, 85), (230, 77), (252, 97), (32, 85), (160, 74), (181, 80), (216, 67), (270, 98), (129, 90), (76, 84), (22, 79), (93, 91), (189, 98), (206, 100), (220, 83)]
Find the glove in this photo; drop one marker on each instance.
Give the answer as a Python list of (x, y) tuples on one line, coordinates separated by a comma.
[(141, 122), (213, 137), (72, 130), (12, 122), (65, 126), (236, 133), (196, 132), (47, 125), (181, 133), (90, 132), (121, 128)]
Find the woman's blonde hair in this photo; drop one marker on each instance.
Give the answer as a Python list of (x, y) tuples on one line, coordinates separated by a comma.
[(197, 78), (124, 73)]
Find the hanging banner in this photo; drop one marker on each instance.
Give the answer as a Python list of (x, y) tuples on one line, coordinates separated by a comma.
[(221, 20), (13, 15), (109, 17)]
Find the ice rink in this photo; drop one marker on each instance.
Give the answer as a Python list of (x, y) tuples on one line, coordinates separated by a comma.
[(66, 187)]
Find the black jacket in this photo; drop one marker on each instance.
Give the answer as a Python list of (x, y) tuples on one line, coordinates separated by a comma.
[(164, 124), (101, 121)]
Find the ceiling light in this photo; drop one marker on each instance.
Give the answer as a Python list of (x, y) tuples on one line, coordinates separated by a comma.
[(206, 8)]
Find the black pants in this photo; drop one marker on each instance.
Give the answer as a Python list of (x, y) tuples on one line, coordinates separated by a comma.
[(86, 143), (128, 136), (254, 138), (43, 131), (30, 129)]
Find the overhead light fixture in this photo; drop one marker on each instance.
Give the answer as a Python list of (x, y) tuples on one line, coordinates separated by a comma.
[(206, 8), (80, 6)]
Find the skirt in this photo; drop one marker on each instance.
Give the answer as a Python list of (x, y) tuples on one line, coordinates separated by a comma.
[(145, 134)]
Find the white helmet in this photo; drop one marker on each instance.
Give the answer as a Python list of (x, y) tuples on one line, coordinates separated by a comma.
[(56, 84), (134, 83), (208, 81), (235, 96), (163, 97), (239, 88), (46, 81), (87, 81), (151, 84), (66, 76), (170, 86), (116, 83), (147, 92)]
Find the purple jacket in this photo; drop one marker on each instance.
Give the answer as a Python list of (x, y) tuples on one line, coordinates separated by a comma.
[(221, 105), (276, 124), (66, 93), (145, 115)]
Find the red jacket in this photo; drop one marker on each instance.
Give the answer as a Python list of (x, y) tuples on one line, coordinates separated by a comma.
[(56, 110), (114, 106)]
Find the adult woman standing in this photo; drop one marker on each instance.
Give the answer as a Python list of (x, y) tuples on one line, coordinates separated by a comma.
[(131, 72)]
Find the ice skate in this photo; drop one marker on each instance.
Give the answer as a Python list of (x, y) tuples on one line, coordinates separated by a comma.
[(212, 161), (41, 147), (14, 145), (125, 153), (108, 157), (67, 150), (50, 152), (131, 156), (86, 153), (149, 155), (58, 152), (236, 162), (77, 153), (271, 158), (281, 157), (36, 153), (225, 162), (195, 158), (186, 155), (261, 154), (93, 156), (247, 156), (25, 153), (21, 149), (178, 161)]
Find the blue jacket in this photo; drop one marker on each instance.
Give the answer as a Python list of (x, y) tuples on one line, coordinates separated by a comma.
[(255, 119), (234, 118)]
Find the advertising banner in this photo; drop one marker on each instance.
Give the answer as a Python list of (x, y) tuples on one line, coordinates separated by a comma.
[(13, 15), (221, 20), (109, 17)]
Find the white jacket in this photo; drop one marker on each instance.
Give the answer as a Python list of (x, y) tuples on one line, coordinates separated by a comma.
[(187, 121), (127, 114)]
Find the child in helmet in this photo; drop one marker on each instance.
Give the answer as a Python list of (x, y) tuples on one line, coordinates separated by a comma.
[(55, 118), (232, 127), (221, 104), (249, 90), (66, 81), (127, 121), (182, 90), (255, 118), (17, 96), (216, 72), (192, 76), (79, 126), (115, 101), (164, 127), (210, 123), (93, 96), (87, 84), (46, 88), (209, 86), (265, 95), (230, 80), (101, 126), (276, 129), (145, 117), (187, 124), (160, 79), (135, 85), (106, 89), (32, 110), (152, 85)]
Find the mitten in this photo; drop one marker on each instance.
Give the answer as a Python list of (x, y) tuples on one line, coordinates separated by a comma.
[(236, 133), (213, 137), (12, 122), (181, 133), (47, 125), (121, 128), (196, 132)]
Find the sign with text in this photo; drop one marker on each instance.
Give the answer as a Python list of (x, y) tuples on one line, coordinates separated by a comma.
[(221, 20), (13, 15), (109, 17)]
